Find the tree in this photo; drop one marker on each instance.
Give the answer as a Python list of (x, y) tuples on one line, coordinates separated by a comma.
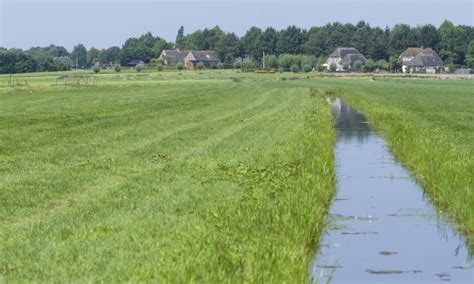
[(96, 69), (16, 61), (316, 43), (429, 36), (145, 48), (469, 60), (110, 54), (454, 42), (92, 56), (117, 68), (79, 56), (401, 37), (228, 47), (291, 40), (249, 42), (332, 67), (362, 39), (180, 38), (266, 42)]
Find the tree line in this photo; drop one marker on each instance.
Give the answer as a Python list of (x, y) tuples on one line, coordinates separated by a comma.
[(454, 44)]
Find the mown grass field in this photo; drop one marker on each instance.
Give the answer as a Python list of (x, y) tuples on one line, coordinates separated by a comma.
[(175, 181), (210, 176)]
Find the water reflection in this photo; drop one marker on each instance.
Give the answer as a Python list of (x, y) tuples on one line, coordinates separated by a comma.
[(382, 228)]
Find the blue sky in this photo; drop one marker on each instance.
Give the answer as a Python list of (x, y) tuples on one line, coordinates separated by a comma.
[(104, 23)]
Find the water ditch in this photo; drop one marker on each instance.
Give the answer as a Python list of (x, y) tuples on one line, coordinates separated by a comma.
[(382, 226)]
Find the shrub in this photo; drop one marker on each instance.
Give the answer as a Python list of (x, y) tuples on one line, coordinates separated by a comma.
[(307, 68), (382, 64), (294, 68), (369, 66), (200, 66), (159, 67), (220, 65), (96, 69), (320, 68), (237, 65), (271, 61), (345, 67), (139, 67), (180, 66), (358, 65), (117, 68), (281, 69), (333, 67)]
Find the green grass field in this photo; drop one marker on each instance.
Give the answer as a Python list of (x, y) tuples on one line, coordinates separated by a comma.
[(210, 176)]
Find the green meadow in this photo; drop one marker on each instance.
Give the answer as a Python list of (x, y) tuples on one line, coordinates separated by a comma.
[(212, 176)]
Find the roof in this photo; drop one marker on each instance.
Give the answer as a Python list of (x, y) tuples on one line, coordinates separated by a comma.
[(64, 59), (414, 51), (343, 51), (425, 60), (352, 58), (135, 62), (205, 56), (174, 56)]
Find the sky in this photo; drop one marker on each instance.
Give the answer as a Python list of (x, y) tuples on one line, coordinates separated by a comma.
[(105, 23)]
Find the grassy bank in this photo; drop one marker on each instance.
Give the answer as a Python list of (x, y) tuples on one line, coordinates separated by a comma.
[(183, 181), (429, 126)]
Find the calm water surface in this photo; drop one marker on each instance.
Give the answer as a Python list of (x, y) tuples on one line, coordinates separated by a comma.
[(382, 227)]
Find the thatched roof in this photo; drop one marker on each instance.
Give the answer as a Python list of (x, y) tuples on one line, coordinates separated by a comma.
[(352, 58), (174, 56), (425, 60), (343, 51)]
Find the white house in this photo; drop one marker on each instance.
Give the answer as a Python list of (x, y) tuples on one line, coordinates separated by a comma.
[(421, 60), (344, 56)]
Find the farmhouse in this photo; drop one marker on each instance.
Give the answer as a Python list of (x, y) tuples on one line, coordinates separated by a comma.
[(173, 56), (420, 60), (344, 56), (65, 60), (208, 58)]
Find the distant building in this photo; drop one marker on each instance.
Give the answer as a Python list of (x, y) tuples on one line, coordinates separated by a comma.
[(344, 56), (135, 62), (65, 60), (464, 71), (208, 58), (421, 60), (173, 56)]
